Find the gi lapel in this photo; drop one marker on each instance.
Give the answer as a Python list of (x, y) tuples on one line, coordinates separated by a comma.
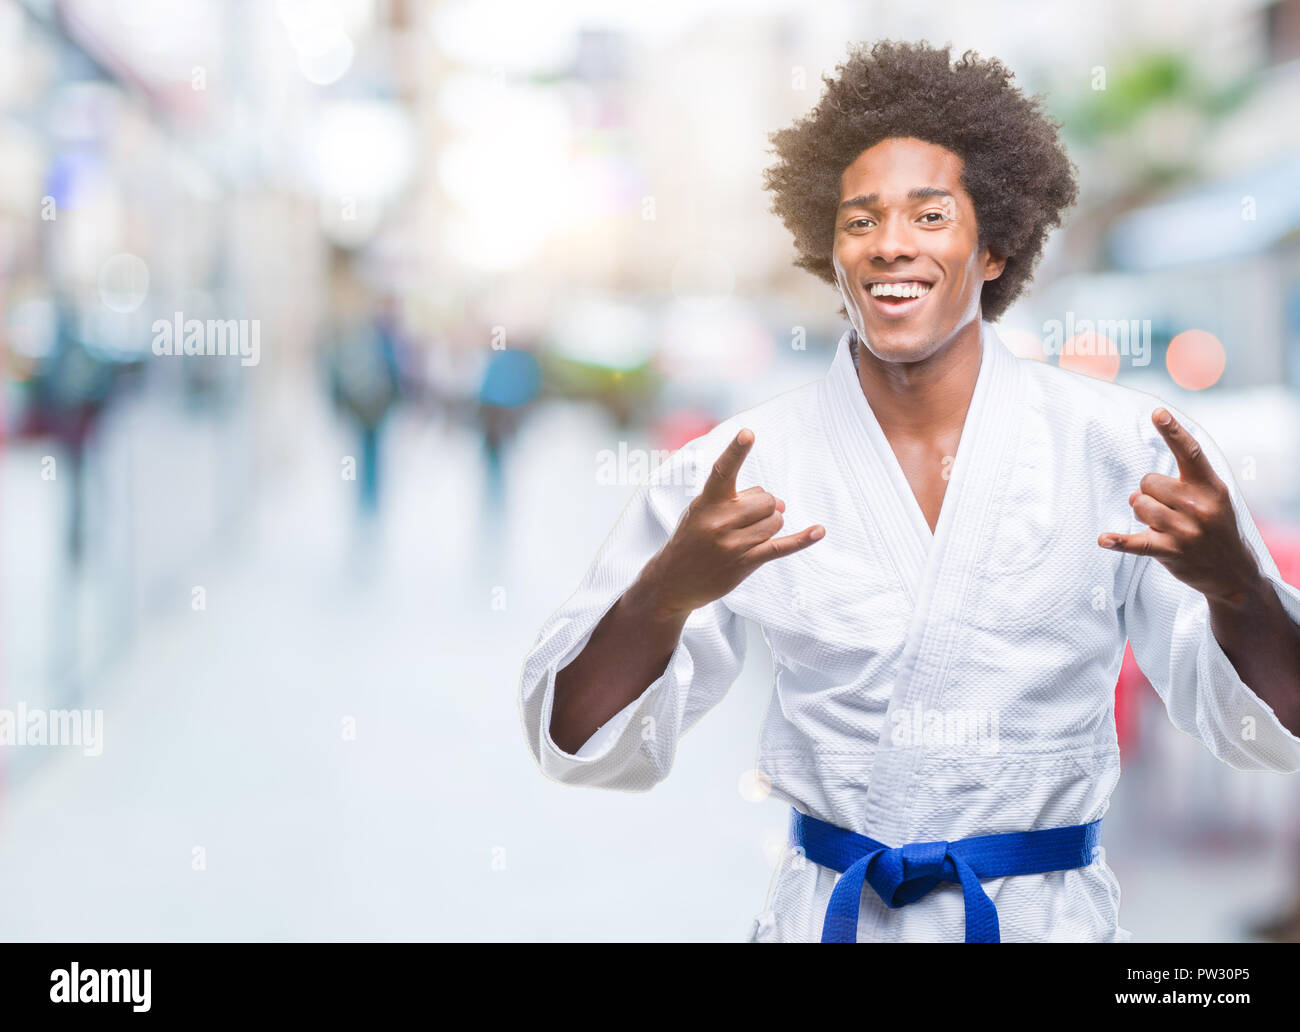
[(935, 570), (867, 463)]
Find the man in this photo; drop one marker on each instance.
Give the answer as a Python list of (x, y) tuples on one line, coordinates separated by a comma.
[(978, 537)]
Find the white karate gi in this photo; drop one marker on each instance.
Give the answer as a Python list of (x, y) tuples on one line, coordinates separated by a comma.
[(1010, 607)]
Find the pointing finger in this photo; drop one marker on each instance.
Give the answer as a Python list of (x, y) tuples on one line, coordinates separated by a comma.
[(722, 480), (1193, 463)]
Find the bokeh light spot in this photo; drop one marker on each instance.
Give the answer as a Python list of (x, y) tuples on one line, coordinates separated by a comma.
[(1092, 354), (1195, 360), (123, 282)]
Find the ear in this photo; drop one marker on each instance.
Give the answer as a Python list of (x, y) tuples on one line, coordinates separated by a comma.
[(993, 264)]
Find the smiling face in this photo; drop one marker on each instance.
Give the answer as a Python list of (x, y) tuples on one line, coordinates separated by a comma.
[(905, 219)]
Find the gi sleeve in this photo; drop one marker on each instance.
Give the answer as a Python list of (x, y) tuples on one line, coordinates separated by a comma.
[(1168, 624), (634, 750)]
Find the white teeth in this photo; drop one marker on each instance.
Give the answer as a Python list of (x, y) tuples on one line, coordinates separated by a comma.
[(899, 289)]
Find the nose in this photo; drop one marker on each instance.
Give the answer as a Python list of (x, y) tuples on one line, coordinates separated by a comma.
[(893, 240)]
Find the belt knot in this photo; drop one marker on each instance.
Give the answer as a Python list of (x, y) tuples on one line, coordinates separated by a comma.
[(904, 874)]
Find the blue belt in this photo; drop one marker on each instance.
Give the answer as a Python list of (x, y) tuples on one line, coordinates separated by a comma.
[(904, 874)]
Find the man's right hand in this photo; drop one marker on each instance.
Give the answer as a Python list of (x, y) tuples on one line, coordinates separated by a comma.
[(721, 539)]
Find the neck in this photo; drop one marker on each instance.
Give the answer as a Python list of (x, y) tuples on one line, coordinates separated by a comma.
[(922, 400)]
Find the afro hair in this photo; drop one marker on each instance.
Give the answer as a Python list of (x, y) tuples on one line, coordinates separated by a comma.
[(1013, 164)]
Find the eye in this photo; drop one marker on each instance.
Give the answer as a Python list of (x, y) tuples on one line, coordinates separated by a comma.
[(855, 222), (938, 214)]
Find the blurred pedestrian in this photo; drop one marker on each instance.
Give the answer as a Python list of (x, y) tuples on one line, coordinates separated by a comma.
[(363, 368)]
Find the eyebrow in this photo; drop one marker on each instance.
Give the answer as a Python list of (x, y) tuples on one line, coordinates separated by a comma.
[(917, 193)]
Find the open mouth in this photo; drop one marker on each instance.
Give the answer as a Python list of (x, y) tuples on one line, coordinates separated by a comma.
[(896, 300)]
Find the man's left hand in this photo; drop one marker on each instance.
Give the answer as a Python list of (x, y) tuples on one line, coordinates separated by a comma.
[(1192, 528)]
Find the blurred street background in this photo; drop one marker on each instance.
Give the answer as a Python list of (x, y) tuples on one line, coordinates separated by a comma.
[(453, 270)]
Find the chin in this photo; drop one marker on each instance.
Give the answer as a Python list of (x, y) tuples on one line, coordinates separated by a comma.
[(899, 344)]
